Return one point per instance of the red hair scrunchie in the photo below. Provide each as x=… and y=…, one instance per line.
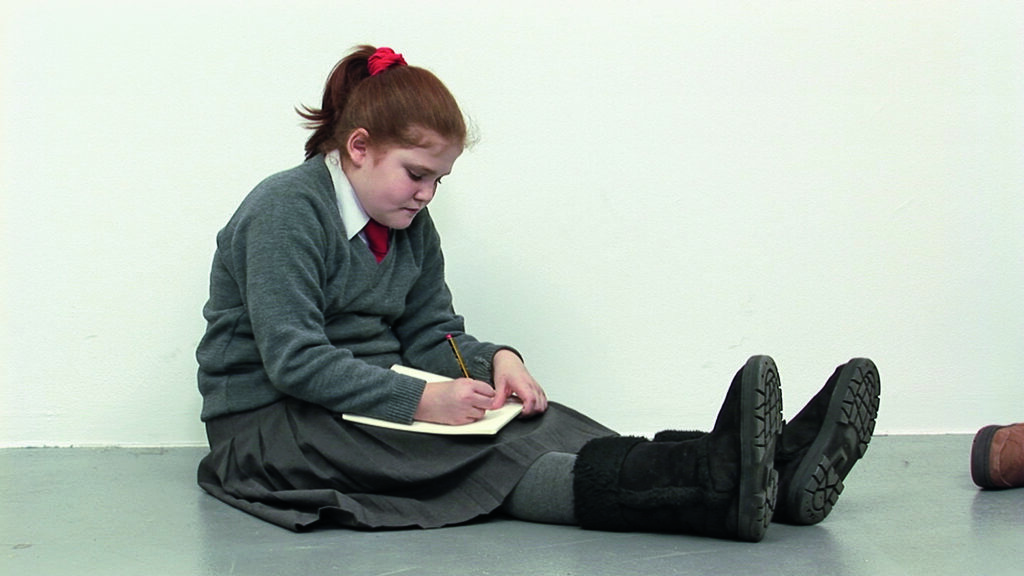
x=383, y=59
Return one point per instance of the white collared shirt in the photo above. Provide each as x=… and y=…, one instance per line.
x=352, y=214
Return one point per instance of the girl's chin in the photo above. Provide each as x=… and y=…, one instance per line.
x=403, y=219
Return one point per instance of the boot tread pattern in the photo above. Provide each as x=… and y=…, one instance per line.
x=767, y=415
x=860, y=406
x=859, y=412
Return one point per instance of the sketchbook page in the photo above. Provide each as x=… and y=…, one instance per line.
x=490, y=424
x=421, y=374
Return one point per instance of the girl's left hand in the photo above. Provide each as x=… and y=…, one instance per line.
x=512, y=377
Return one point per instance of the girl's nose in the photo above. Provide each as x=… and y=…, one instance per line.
x=426, y=193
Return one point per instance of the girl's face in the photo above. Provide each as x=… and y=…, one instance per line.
x=393, y=183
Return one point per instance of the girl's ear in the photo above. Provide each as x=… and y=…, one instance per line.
x=358, y=146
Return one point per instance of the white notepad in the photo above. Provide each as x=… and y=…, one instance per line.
x=490, y=424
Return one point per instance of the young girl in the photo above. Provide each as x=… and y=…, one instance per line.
x=331, y=272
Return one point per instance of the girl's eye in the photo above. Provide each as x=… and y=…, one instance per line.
x=414, y=177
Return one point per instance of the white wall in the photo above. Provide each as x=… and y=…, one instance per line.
x=661, y=189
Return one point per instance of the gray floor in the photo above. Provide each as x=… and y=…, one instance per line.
x=909, y=508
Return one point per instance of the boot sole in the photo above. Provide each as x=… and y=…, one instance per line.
x=842, y=440
x=760, y=427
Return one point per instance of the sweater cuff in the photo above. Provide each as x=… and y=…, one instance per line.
x=405, y=397
x=482, y=366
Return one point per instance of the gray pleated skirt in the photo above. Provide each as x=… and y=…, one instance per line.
x=300, y=466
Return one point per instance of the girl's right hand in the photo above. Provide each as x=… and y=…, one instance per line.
x=454, y=402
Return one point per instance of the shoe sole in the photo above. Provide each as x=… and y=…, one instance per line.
x=842, y=440
x=981, y=451
x=760, y=427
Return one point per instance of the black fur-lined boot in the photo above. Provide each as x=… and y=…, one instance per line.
x=722, y=484
x=821, y=444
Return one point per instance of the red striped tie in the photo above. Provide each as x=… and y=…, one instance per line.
x=377, y=239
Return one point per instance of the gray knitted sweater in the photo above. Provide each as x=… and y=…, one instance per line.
x=296, y=309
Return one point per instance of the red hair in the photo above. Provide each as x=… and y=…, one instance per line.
x=392, y=106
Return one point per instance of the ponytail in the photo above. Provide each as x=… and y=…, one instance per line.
x=345, y=75
x=391, y=104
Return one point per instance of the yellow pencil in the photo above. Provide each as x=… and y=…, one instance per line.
x=458, y=356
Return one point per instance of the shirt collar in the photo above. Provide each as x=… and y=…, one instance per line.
x=352, y=214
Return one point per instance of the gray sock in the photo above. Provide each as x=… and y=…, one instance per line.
x=545, y=493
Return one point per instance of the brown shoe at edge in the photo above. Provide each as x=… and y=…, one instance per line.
x=997, y=457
